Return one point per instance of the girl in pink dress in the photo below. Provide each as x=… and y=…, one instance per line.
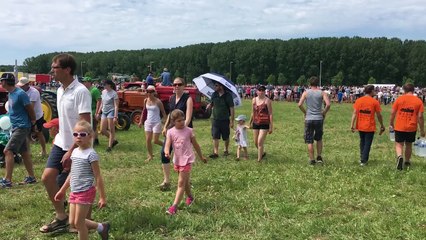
x=183, y=139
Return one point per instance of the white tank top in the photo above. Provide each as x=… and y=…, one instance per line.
x=153, y=115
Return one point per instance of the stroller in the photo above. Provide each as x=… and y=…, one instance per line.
x=5, y=131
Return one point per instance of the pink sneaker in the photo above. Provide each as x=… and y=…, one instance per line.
x=172, y=210
x=189, y=201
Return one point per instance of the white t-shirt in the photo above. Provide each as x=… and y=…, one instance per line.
x=72, y=101
x=34, y=96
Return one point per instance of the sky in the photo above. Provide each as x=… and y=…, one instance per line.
x=29, y=28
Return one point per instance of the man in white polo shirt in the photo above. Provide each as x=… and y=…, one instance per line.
x=74, y=104
x=35, y=100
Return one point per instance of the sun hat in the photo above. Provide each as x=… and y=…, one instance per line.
x=241, y=117
x=150, y=88
x=52, y=123
x=23, y=81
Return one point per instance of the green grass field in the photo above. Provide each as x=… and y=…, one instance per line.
x=282, y=198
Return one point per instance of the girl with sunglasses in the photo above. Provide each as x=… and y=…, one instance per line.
x=85, y=172
x=152, y=124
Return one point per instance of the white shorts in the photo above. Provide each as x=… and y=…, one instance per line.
x=153, y=127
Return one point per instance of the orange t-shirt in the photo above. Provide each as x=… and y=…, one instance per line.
x=407, y=108
x=365, y=108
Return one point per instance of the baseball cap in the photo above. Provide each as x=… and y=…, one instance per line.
x=7, y=77
x=87, y=79
x=22, y=81
x=52, y=123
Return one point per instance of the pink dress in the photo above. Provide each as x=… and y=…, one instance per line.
x=182, y=146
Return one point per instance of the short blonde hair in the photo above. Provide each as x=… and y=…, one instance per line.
x=85, y=125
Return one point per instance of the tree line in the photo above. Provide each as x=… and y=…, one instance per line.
x=341, y=61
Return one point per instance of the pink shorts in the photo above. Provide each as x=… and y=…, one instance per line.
x=186, y=168
x=85, y=197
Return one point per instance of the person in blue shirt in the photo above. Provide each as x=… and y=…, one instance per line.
x=150, y=79
x=166, y=78
x=23, y=119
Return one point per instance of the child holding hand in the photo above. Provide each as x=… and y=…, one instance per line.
x=182, y=139
x=84, y=172
x=240, y=136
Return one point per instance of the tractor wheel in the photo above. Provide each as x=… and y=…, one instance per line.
x=135, y=117
x=48, y=104
x=123, y=122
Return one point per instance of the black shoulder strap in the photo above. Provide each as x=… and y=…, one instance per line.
x=172, y=102
x=185, y=97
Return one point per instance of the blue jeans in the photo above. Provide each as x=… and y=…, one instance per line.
x=366, y=139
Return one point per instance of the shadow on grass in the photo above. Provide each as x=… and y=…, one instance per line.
x=138, y=220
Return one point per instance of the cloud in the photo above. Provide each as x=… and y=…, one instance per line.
x=32, y=27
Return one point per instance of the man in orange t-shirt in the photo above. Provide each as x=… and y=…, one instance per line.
x=408, y=110
x=364, y=110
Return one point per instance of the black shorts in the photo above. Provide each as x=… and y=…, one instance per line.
x=405, y=137
x=39, y=123
x=313, y=130
x=220, y=128
x=260, y=126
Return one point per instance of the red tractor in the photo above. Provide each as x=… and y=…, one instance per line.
x=133, y=96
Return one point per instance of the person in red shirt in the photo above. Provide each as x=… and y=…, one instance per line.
x=408, y=112
x=364, y=110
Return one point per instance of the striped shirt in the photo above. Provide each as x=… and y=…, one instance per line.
x=82, y=177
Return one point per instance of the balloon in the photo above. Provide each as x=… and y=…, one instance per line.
x=5, y=123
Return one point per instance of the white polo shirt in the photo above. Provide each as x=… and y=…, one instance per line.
x=72, y=101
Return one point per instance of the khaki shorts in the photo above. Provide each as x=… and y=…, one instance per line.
x=18, y=142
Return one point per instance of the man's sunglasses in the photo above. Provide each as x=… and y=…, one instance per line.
x=177, y=84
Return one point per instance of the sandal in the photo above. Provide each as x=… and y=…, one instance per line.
x=55, y=225
x=165, y=187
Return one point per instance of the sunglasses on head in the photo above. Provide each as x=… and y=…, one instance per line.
x=80, y=134
x=177, y=84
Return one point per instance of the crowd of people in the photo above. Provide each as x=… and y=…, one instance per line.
x=338, y=94
x=73, y=162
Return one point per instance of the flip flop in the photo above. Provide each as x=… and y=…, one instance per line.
x=55, y=225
